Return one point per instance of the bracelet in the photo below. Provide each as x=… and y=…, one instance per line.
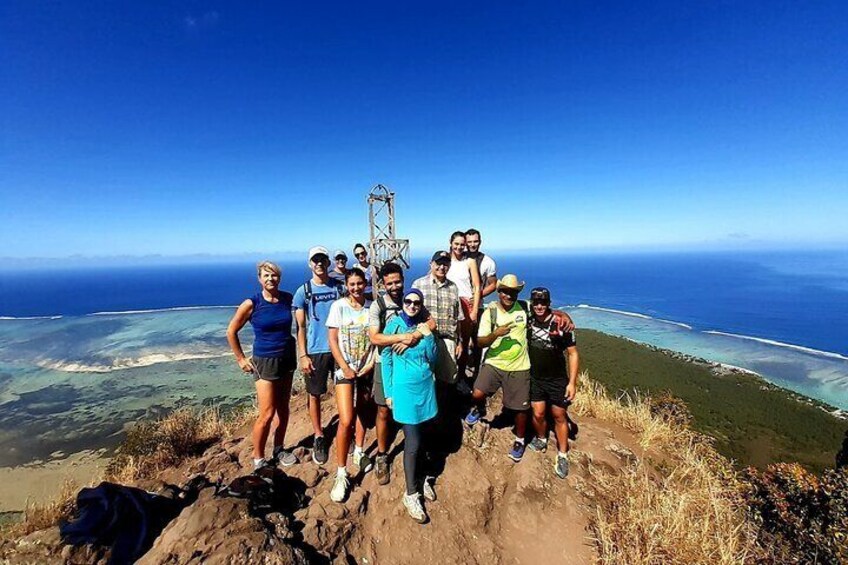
x=303, y=355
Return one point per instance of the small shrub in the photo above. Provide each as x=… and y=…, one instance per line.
x=670, y=409
x=38, y=516
x=842, y=456
x=152, y=446
x=803, y=518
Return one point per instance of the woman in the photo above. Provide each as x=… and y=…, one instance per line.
x=273, y=363
x=354, y=355
x=409, y=386
x=465, y=274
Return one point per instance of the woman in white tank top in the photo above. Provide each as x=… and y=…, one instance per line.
x=465, y=275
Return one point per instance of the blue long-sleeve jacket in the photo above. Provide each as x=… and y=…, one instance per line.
x=408, y=377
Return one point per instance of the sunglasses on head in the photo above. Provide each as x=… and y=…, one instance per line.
x=410, y=302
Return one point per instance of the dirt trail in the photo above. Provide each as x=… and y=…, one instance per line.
x=489, y=509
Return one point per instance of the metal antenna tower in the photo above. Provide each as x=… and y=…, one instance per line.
x=384, y=245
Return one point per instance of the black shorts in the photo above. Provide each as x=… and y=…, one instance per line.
x=551, y=391
x=323, y=366
x=273, y=368
x=364, y=384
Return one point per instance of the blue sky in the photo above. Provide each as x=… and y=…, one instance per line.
x=134, y=128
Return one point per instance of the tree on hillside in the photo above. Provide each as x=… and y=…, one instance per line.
x=842, y=456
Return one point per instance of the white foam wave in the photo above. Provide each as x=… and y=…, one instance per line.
x=30, y=317
x=127, y=363
x=632, y=315
x=801, y=348
x=614, y=311
x=158, y=310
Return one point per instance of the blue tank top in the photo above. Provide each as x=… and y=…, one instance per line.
x=272, y=325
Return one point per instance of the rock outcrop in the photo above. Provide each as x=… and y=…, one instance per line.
x=489, y=509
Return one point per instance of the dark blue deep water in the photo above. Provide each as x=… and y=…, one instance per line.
x=794, y=297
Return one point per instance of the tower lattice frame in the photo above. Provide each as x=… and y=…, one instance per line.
x=384, y=246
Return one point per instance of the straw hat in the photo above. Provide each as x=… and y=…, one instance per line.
x=510, y=282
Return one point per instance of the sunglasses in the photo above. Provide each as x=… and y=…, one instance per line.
x=512, y=293
x=361, y=254
x=409, y=302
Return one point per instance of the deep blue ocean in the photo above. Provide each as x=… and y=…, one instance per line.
x=84, y=351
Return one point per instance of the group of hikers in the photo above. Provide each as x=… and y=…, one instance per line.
x=402, y=355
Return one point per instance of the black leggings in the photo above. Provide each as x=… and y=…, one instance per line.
x=413, y=465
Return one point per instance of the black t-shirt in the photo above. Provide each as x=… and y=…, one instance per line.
x=547, y=345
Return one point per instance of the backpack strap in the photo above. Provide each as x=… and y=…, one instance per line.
x=382, y=308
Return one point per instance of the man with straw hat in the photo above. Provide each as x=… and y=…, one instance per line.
x=506, y=364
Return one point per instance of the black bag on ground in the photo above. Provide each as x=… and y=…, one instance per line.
x=124, y=518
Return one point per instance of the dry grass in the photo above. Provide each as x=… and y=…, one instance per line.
x=153, y=446
x=686, y=510
x=38, y=516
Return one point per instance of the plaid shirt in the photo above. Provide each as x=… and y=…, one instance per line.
x=442, y=300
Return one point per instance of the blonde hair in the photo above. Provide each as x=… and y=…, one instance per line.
x=269, y=265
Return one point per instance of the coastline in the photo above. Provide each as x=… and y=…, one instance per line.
x=725, y=369
x=41, y=481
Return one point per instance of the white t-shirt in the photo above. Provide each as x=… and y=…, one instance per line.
x=487, y=269
x=460, y=275
x=353, y=331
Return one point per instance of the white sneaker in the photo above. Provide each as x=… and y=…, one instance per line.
x=412, y=502
x=428, y=490
x=340, y=486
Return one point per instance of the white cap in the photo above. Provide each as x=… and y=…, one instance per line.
x=317, y=250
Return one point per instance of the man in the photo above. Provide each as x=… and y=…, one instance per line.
x=383, y=309
x=366, y=267
x=485, y=264
x=441, y=298
x=506, y=364
x=552, y=381
x=488, y=281
x=312, y=302
x=340, y=270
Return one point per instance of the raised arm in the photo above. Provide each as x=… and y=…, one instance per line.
x=475, y=288
x=238, y=321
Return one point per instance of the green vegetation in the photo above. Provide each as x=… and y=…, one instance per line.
x=753, y=423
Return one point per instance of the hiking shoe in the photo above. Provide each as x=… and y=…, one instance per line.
x=413, y=505
x=428, y=490
x=382, y=472
x=363, y=462
x=561, y=467
x=539, y=445
x=261, y=464
x=473, y=416
x=340, y=487
x=284, y=457
x=517, y=451
x=319, y=450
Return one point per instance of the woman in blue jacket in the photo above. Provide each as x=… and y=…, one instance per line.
x=409, y=385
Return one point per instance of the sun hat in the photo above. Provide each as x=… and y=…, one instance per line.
x=317, y=250
x=510, y=282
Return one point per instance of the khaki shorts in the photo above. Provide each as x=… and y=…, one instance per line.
x=515, y=385
x=446, y=359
